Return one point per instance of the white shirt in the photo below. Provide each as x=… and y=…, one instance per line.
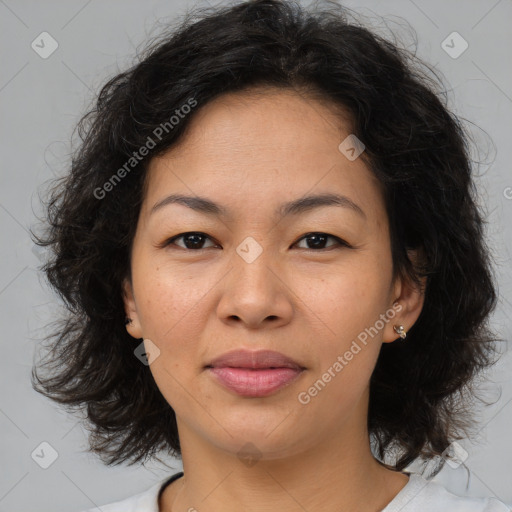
x=418, y=495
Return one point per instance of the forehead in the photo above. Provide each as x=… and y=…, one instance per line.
x=260, y=147
x=264, y=118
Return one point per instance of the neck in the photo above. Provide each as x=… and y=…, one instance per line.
x=336, y=475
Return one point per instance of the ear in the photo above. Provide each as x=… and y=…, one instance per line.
x=134, y=327
x=407, y=303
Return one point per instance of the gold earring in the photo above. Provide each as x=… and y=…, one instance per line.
x=399, y=329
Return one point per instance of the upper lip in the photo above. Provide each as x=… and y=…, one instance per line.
x=254, y=359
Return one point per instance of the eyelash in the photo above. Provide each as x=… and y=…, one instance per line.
x=340, y=242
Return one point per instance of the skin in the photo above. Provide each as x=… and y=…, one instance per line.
x=250, y=152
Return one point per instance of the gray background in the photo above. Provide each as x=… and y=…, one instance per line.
x=42, y=99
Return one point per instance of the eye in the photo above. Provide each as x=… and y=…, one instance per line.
x=195, y=241
x=318, y=241
x=192, y=240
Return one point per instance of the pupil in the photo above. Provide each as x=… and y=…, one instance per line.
x=317, y=240
x=197, y=239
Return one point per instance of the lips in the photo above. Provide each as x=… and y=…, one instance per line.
x=261, y=359
x=254, y=374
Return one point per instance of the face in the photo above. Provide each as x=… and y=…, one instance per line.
x=306, y=282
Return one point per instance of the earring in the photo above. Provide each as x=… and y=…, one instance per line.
x=128, y=321
x=399, y=329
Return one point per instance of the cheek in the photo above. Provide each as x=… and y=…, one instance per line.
x=348, y=297
x=345, y=351
x=170, y=301
x=171, y=308
x=349, y=302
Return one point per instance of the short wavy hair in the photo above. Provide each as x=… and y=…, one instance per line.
x=416, y=147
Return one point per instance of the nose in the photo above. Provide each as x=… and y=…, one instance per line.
x=256, y=294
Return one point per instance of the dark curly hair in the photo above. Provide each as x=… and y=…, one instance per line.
x=417, y=148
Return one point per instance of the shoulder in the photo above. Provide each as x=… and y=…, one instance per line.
x=421, y=495
x=146, y=501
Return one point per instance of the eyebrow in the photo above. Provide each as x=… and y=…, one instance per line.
x=301, y=205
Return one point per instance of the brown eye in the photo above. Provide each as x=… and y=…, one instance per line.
x=317, y=241
x=191, y=240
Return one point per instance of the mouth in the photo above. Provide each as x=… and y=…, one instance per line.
x=254, y=383
x=255, y=360
x=254, y=374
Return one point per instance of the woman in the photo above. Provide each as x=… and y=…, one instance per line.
x=275, y=269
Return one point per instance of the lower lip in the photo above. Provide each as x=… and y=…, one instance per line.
x=255, y=383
